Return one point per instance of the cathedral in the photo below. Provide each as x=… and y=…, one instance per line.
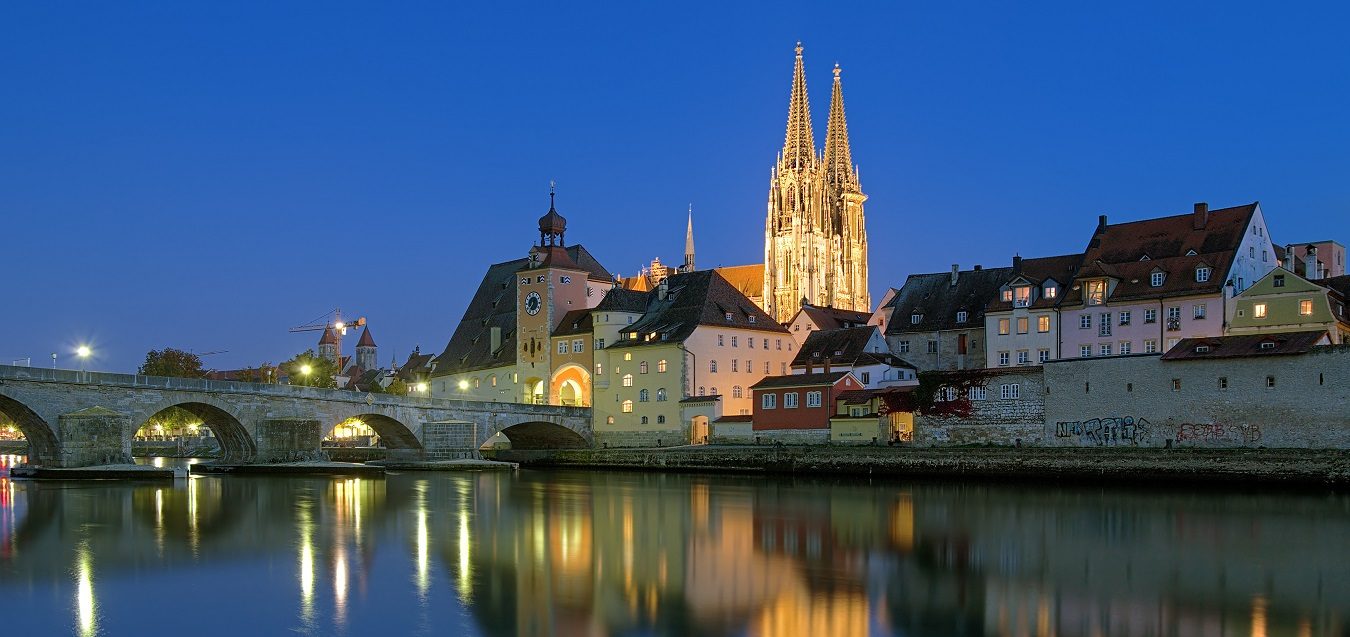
x=815, y=240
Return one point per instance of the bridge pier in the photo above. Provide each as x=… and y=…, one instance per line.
x=289, y=440
x=93, y=436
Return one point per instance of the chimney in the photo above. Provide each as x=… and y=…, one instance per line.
x=495, y=334
x=827, y=364
x=1017, y=264
x=663, y=288
x=1101, y=221
x=956, y=273
x=1200, y=216
x=1310, y=270
x=1289, y=258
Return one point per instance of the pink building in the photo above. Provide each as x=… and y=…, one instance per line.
x=1145, y=285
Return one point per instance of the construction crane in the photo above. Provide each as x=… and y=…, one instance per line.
x=331, y=321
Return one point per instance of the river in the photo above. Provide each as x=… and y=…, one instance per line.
x=598, y=554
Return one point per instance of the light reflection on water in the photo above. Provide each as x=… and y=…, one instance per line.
x=570, y=553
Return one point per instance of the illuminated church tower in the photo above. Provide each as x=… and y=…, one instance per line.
x=815, y=240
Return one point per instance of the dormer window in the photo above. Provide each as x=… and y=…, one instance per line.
x=1190, y=253
x=1022, y=296
x=1200, y=349
x=1007, y=295
x=1096, y=292
x=915, y=318
x=962, y=316
x=1268, y=345
x=728, y=316
x=752, y=318
x=1156, y=279
x=1050, y=292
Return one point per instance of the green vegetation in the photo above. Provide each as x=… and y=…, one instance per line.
x=322, y=372
x=398, y=388
x=172, y=362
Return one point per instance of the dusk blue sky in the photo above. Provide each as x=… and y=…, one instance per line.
x=207, y=175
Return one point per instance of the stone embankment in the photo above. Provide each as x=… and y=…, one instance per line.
x=1163, y=467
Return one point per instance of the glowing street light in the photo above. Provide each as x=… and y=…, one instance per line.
x=422, y=388
x=306, y=369
x=463, y=385
x=83, y=352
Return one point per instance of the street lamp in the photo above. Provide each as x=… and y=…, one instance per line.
x=83, y=352
x=305, y=371
x=421, y=388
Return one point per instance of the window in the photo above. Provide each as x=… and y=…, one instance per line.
x=1176, y=384
x=1202, y=274
x=778, y=344
x=766, y=368
x=493, y=380
x=721, y=340
x=736, y=391
x=1022, y=324
x=1003, y=327
x=1042, y=324
x=628, y=356
x=735, y=365
x=962, y=316
x=1023, y=357
x=562, y=347
x=728, y=316
x=599, y=343
x=1251, y=252
x=643, y=396
x=1125, y=317
x=1223, y=383
x=1006, y=295
x=915, y=318
x=1096, y=292
x=712, y=391
x=1043, y=355
x=627, y=380
x=1104, y=327
x=712, y=367
x=766, y=343
x=1084, y=351
x=1150, y=316
x=1279, y=280
x=932, y=347
x=661, y=395
x=1171, y=342
x=1174, y=313
x=1010, y=391
x=1305, y=307
x=702, y=391
x=609, y=420
x=599, y=369
x=1199, y=311
x=661, y=366
x=769, y=401
x=1125, y=348
x=477, y=383
x=642, y=367
x=627, y=406
x=790, y=400
x=1022, y=296
x=975, y=393
x=813, y=399
x=1051, y=292
x=577, y=346
x=660, y=419
x=1105, y=349
x=1150, y=346
x=750, y=342
x=1259, y=311
x=1002, y=359
x=904, y=347
x=1085, y=322
x=1270, y=382
x=734, y=341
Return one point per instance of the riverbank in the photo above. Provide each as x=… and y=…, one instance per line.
x=1164, y=467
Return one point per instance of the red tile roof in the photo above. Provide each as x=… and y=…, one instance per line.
x=1246, y=345
x=366, y=340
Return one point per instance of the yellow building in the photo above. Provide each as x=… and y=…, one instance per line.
x=1283, y=301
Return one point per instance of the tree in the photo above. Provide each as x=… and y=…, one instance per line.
x=322, y=371
x=172, y=362
x=398, y=388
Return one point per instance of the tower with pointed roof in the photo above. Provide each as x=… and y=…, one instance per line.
x=328, y=345
x=689, y=243
x=366, y=351
x=815, y=242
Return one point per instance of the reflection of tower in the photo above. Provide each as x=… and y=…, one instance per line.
x=328, y=345
x=366, y=351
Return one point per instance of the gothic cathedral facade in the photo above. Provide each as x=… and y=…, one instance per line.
x=815, y=239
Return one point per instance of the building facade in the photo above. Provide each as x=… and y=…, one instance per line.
x=936, y=321
x=1022, y=323
x=796, y=409
x=1286, y=302
x=815, y=237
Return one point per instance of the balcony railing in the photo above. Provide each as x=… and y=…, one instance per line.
x=1173, y=325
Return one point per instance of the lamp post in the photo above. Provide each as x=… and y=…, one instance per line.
x=305, y=371
x=83, y=352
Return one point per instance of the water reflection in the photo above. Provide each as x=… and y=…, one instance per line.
x=610, y=554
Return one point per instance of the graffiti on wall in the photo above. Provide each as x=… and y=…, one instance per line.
x=1107, y=432
x=1216, y=432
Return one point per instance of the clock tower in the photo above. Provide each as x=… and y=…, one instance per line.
x=550, y=285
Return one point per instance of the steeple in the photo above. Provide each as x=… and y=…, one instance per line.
x=799, y=145
x=689, y=242
x=839, y=171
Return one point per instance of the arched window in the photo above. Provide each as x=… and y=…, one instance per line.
x=609, y=420
x=642, y=396
x=627, y=406
x=642, y=367
x=712, y=391
x=493, y=378
x=661, y=395
x=661, y=366
x=736, y=391
x=712, y=367
x=627, y=380
x=476, y=382
x=644, y=420
x=702, y=392
x=660, y=420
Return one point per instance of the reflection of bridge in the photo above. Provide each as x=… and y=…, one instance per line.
x=84, y=418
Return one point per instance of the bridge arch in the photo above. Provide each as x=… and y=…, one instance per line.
x=540, y=434
x=393, y=433
x=236, y=444
x=43, y=447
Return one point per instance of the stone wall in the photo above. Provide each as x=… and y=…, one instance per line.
x=449, y=440
x=289, y=440
x=93, y=436
x=1147, y=402
x=731, y=433
x=620, y=439
x=948, y=348
x=792, y=436
x=994, y=420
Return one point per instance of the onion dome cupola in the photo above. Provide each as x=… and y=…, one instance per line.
x=552, y=225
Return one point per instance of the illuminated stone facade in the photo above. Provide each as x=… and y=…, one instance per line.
x=815, y=240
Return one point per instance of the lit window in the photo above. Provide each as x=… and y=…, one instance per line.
x=1096, y=292
x=627, y=380
x=1023, y=324
x=1022, y=296
x=1003, y=327
x=1156, y=279
x=661, y=366
x=769, y=401
x=1259, y=311
x=1305, y=307
x=1051, y=292
x=628, y=356
x=627, y=406
x=609, y=420
x=599, y=369
x=1007, y=296
x=1042, y=324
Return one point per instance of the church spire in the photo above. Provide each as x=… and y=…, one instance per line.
x=799, y=145
x=689, y=242
x=838, y=159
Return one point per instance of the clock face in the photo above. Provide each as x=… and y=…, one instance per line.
x=533, y=303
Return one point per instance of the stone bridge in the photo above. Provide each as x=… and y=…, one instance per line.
x=76, y=418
